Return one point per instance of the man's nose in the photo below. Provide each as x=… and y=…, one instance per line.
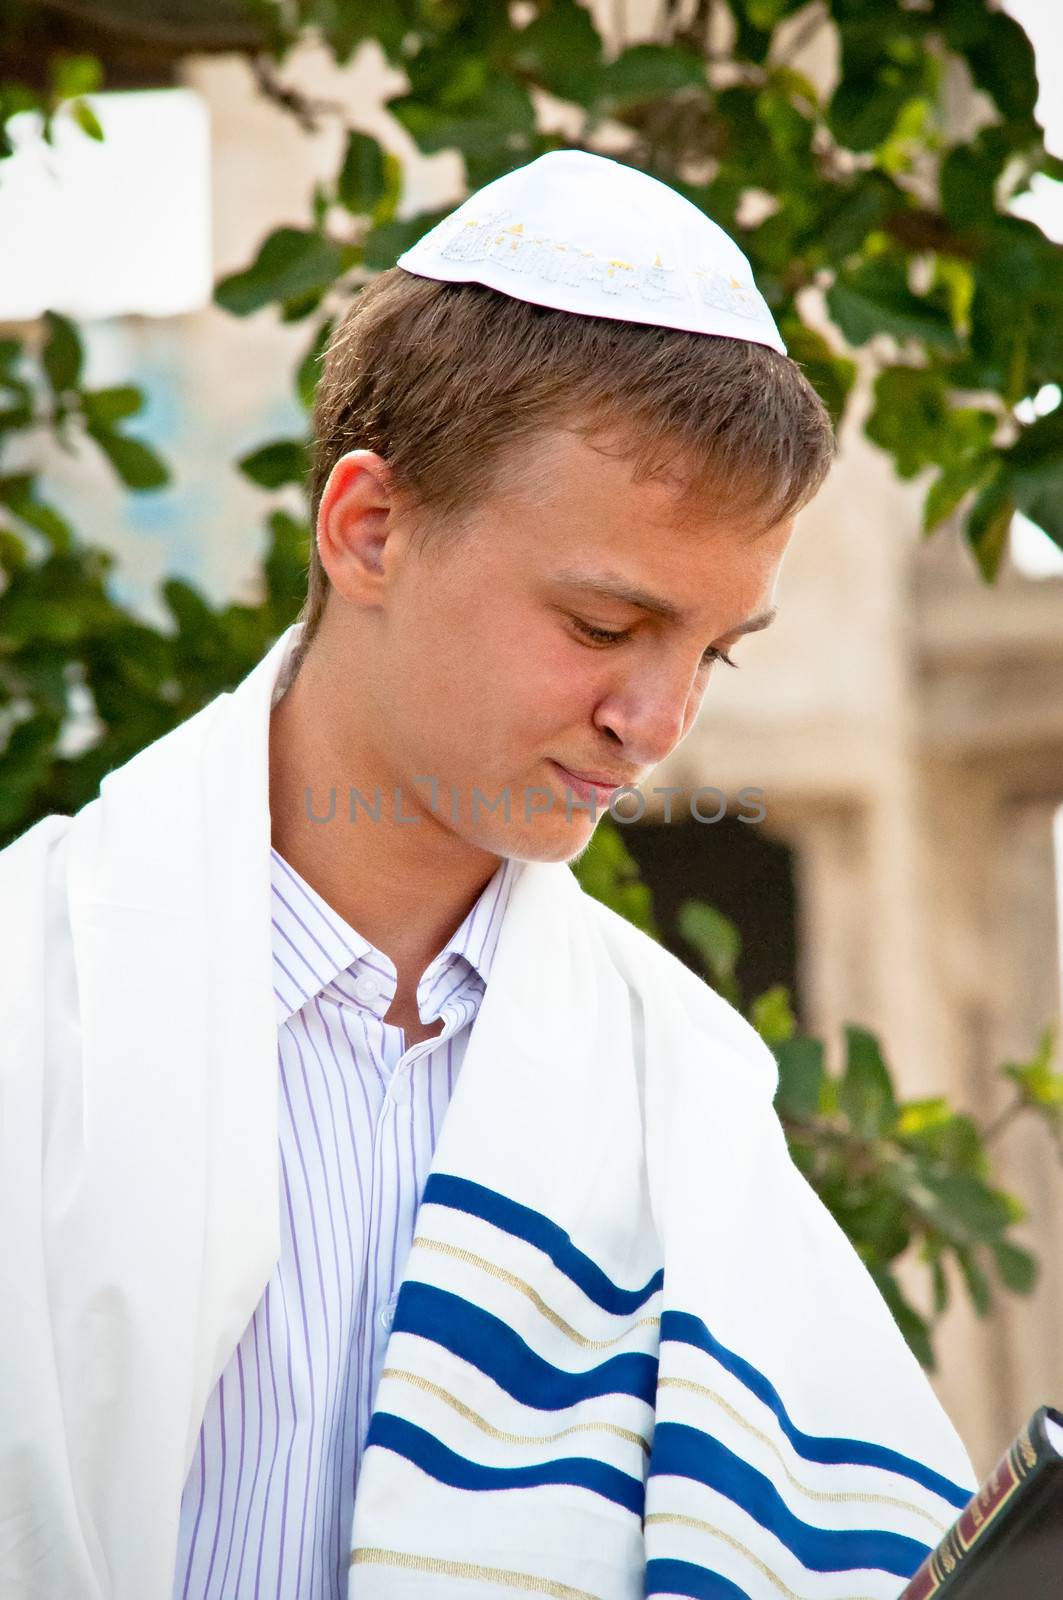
x=650, y=715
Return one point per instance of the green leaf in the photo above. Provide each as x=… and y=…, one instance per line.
x=195, y=619
x=939, y=1285
x=965, y=1208
x=976, y=1281
x=752, y=43
x=866, y=104
x=967, y=181
x=1040, y=1084
x=18, y=494
x=865, y=1093
x=954, y=280
x=830, y=374
x=62, y=353
x=714, y=937
x=73, y=75
x=10, y=356
x=386, y=243
x=309, y=369
x=772, y=1015
x=848, y=213
x=286, y=563
x=24, y=767
x=492, y=128
x=766, y=14
x=607, y=870
x=13, y=555
x=1002, y=63
x=388, y=203
x=274, y=465
x=988, y=525
x=1017, y=1267
x=561, y=50
x=912, y=419
x=789, y=129
x=135, y=462
x=362, y=181
x=86, y=119
x=874, y=298
x=957, y=481
x=1034, y=470
x=801, y=1074
x=300, y=306
x=916, y=1116
x=107, y=406
x=343, y=27
x=290, y=263
x=915, y=1328
x=646, y=72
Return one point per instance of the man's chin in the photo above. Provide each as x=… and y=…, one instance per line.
x=546, y=839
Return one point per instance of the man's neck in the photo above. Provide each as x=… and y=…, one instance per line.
x=404, y=886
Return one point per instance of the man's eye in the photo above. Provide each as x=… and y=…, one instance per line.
x=600, y=635
x=604, y=636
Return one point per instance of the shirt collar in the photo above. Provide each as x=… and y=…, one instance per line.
x=313, y=945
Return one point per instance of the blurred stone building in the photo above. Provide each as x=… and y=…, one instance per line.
x=903, y=723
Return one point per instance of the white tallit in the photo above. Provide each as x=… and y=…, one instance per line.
x=631, y=1354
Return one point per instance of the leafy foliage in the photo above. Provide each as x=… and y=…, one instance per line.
x=905, y=1180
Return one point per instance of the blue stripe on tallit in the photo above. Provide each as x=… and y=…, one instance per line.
x=491, y=1345
x=665, y=1576
x=680, y=1451
x=459, y=1194
x=682, y=1328
x=426, y=1451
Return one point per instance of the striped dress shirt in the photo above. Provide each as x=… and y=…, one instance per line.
x=268, y=1504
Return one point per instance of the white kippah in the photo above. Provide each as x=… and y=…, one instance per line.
x=581, y=233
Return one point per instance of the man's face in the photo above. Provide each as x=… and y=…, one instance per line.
x=490, y=679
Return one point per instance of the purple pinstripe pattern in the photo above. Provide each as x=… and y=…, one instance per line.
x=267, y=1507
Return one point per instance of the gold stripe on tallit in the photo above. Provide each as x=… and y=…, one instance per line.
x=813, y=1494
x=428, y=1387
x=528, y=1581
x=718, y=1533
x=490, y=1267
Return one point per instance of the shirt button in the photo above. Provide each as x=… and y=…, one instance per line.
x=387, y=1314
x=366, y=987
x=400, y=1089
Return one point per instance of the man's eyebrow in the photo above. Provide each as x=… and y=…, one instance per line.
x=755, y=624
x=615, y=587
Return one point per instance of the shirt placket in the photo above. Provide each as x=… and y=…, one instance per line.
x=382, y=1244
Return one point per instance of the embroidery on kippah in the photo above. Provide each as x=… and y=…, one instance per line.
x=496, y=238
x=725, y=293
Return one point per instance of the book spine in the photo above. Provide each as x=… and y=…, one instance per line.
x=935, y=1576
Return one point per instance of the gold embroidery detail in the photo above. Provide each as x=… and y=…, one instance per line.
x=526, y=1289
x=474, y=1417
x=718, y=1533
x=527, y=1581
x=813, y=1494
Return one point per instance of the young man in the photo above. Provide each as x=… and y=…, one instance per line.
x=313, y=974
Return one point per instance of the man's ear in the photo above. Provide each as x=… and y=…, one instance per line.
x=355, y=518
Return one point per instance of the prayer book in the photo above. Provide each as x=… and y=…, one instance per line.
x=1008, y=1541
